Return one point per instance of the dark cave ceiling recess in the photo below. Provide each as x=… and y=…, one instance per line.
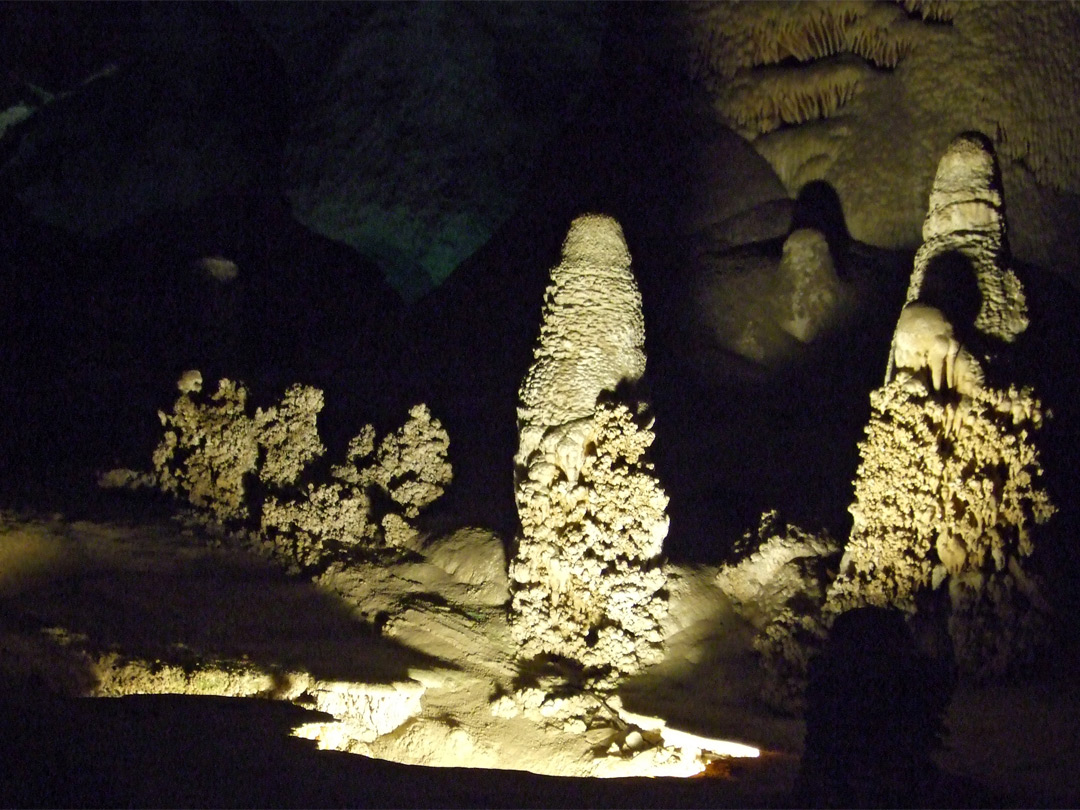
x=411, y=132
x=406, y=131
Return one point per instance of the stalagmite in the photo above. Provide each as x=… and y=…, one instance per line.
x=586, y=578
x=948, y=490
x=966, y=217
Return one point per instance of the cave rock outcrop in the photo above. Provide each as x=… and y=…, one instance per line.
x=765, y=308
x=415, y=141
x=814, y=87
x=966, y=217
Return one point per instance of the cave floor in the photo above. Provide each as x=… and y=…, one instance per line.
x=146, y=665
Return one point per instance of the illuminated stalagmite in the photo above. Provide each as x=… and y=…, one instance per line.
x=586, y=579
x=966, y=217
x=947, y=495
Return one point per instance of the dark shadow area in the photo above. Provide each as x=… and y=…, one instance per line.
x=730, y=448
x=874, y=714
x=101, y=331
x=818, y=206
x=1044, y=357
x=951, y=286
x=191, y=610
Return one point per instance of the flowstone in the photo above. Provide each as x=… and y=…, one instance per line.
x=586, y=579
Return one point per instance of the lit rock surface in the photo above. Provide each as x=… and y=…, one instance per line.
x=476, y=558
x=782, y=566
x=924, y=339
x=212, y=447
x=586, y=576
x=948, y=492
x=863, y=94
x=780, y=589
x=764, y=310
x=948, y=495
x=809, y=295
x=966, y=216
x=591, y=340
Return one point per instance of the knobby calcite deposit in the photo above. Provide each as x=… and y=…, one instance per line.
x=966, y=217
x=591, y=339
x=947, y=501
x=948, y=493
x=238, y=470
x=586, y=579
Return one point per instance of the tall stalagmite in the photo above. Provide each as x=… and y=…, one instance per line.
x=966, y=220
x=587, y=581
x=947, y=495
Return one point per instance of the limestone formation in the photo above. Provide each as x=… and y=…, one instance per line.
x=783, y=563
x=814, y=86
x=966, y=216
x=288, y=436
x=948, y=495
x=211, y=448
x=591, y=340
x=208, y=449
x=476, y=558
x=810, y=297
x=410, y=467
x=780, y=589
x=964, y=235
x=586, y=578
x=238, y=470
x=924, y=340
x=765, y=310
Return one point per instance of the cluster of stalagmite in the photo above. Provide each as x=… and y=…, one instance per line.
x=211, y=446
x=586, y=577
x=236, y=470
x=948, y=495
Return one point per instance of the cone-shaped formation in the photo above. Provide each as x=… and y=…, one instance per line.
x=948, y=492
x=810, y=297
x=591, y=339
x=966, y=216
x=587, y=580
x=948, y=496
